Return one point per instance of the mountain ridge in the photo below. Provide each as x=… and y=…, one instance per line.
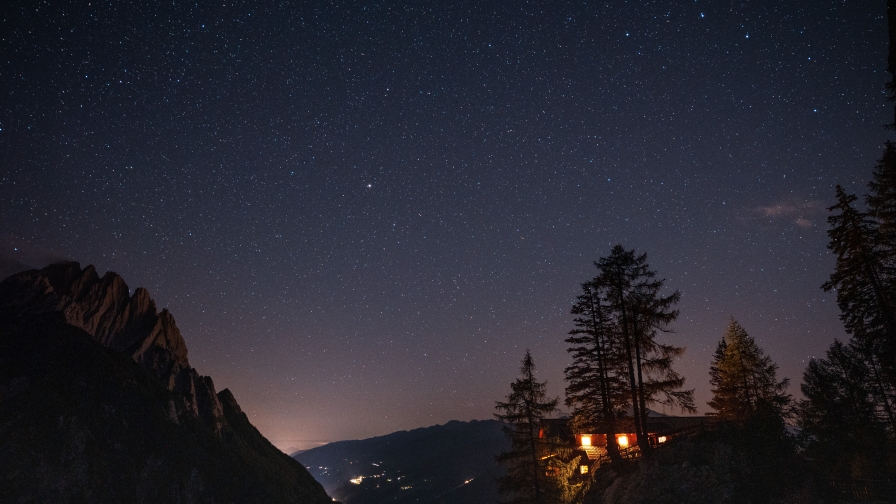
x=131, y=324
x=98, y=403
x=449, y=463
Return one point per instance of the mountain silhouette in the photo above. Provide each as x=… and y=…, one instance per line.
x=450, y=463
x=98, y=403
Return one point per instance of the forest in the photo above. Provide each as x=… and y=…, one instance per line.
x=757, y=444
x=837, y=442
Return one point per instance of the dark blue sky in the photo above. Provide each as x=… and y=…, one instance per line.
x=362, y=213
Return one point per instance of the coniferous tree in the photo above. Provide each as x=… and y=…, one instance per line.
x=656, y=377
x=528, y=479
x=881, y=202
x=863, y=279
x=838, y=394
x=595, y=388
x=883, y=391
x=638, y=312
x=842, y=425
x=848, y=414
x=744, y=379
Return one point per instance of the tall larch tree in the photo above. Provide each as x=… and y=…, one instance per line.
x=639, y=313
x=843, y=427
x=862, y=280
x=744, y=380
x=595, y=388
x=848, y=417
x=881, y=201
x=526, y=480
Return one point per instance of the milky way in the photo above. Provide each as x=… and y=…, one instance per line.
x=362, y=214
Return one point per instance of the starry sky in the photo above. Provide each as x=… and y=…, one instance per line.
x=361, y=214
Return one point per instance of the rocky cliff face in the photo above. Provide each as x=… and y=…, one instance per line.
x=130, y=324
x=98, y=403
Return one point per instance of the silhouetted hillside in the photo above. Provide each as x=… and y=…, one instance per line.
x=98, y=403
x=451, y=463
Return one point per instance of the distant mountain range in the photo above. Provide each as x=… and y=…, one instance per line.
x=450, y=463
x=98, y=403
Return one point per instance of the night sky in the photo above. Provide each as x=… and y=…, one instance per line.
x=362, y=213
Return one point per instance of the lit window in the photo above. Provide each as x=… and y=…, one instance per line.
x=661, y=439
x=586, y=440
x=583, y=469
x=623, y=441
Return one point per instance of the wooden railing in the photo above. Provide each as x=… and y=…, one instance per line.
x=683, y=432
x=630, y=452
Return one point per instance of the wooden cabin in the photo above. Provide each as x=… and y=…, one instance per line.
x=592, y=446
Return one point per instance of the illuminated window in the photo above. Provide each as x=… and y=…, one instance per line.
x=586, y=440
x=661, y=439
x=583, y=469
x=623, y=441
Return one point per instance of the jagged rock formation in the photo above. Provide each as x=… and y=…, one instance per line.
x=98, y=403
x=130, y=324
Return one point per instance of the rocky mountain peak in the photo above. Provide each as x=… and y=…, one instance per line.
x=127, y=323
x=98, y=403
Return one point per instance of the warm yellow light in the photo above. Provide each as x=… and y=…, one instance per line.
x=583, y=469
x=586, y=440
x=623, y=441
x=661, y=439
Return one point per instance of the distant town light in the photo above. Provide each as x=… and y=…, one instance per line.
x=586, y=441
x=623, y=441
x=358, y=480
